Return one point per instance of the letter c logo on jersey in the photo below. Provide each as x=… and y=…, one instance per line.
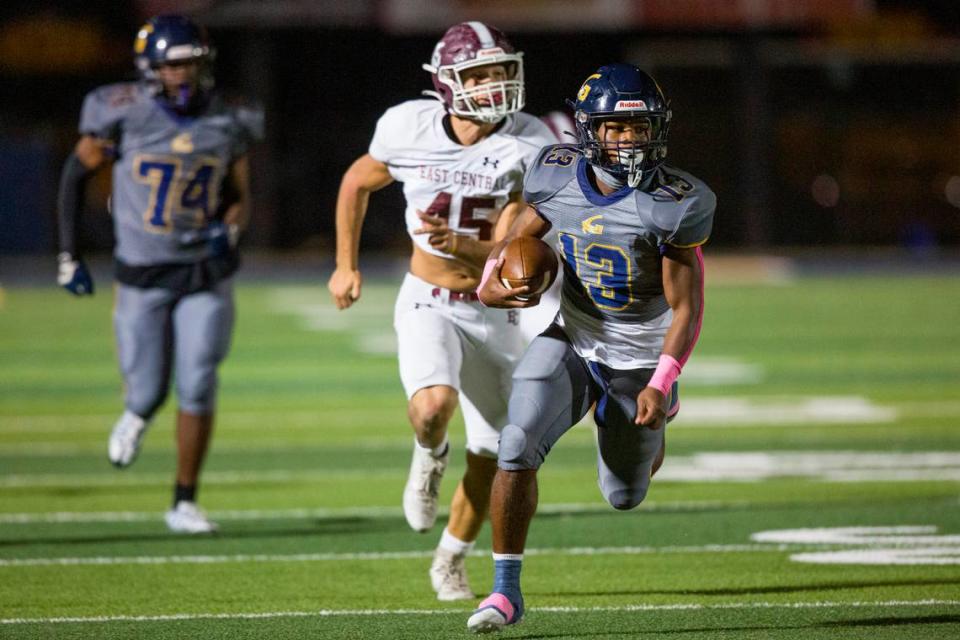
x=183, y=143
x=590, y=225
x=585, y=89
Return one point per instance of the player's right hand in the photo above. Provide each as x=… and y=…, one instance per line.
x=651, y=408
x=73, y=275
x=344, y=286
x=494, y=294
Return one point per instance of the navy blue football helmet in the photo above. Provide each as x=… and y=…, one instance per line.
x=622, y=92
x=172, y=39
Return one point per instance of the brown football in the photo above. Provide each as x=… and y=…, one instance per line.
x=528, y=261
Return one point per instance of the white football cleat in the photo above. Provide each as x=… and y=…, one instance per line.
x=422, y=493
x=125, y=439
x=187, y=517
x=448, y=576
x=493, y=614
x=486, y=621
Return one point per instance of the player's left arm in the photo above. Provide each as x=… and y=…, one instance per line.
x=683, y=289
x=223, y=233
x=466, y=248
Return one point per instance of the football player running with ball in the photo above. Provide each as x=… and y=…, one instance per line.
x=180, y=199
x=461, y=158
x=629, y=228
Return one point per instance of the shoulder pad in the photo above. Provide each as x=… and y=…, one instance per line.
x=410, y=112
x=105, y=107
x=555, y=166
x=683, y=208
x=402, y=127
x=250, y=119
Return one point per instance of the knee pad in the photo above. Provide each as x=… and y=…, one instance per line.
x=626, y=499
x=197, y=394
x=514, y=454
x=145, y=402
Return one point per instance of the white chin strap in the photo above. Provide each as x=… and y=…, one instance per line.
x=632, y=161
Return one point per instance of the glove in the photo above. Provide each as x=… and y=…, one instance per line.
x=221, y=238
x=73, y=275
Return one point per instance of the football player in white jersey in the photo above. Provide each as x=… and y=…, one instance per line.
x=629, y=228
x=461, y=156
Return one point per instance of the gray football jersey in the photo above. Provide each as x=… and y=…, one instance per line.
x=611, y=244
x=169, y=169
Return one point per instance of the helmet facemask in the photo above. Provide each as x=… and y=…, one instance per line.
x=488, y=101
x=631, y=160
x=184, y=94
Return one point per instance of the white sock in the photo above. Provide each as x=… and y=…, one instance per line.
x=437, y=451
x=453, y=544
x=508, y=556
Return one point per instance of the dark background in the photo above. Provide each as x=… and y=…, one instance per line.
x=823, y=133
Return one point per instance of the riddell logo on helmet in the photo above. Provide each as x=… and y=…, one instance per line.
x=495, y=51
x=629, y=105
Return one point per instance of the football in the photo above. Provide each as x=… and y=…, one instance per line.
x=528, y=261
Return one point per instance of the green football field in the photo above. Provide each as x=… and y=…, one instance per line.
x=811, y=487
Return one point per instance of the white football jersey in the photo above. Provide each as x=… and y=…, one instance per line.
x=468, y=185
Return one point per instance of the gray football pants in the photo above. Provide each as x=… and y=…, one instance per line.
x=160, y=331
x=553, y=389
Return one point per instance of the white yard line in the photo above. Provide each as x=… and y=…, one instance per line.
x=69, y=517
x=324, y=613
x=740, y=466
x=299, y=420
x=27, y=480
x=898, y=545
x=381, y=555
x=702, y=411
x=696, y=410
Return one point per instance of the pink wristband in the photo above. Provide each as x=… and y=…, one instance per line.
x=487, y=270
x=665, y=375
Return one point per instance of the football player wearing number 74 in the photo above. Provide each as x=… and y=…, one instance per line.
x=629, y=229
x=180, y=198
x=461, y=157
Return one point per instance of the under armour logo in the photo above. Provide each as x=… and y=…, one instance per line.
x=513, y=317
x=488, y=161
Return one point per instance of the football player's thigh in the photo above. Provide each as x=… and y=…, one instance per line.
x=428, y=348
x=490, y=356
x=144, y=333
x=552, y=391
x=626, y=451
x=203, y=323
